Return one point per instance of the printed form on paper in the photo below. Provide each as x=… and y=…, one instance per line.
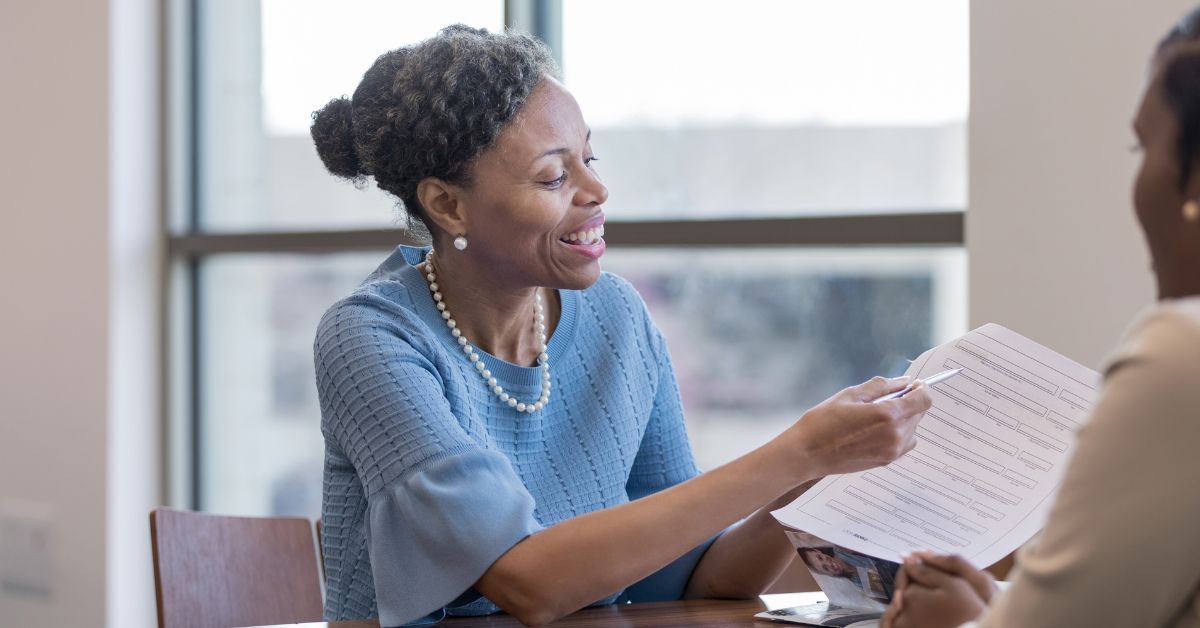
x=989, y=458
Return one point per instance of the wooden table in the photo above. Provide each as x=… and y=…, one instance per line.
x=682, y=613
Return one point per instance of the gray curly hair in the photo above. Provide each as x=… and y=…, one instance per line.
x=428, y=110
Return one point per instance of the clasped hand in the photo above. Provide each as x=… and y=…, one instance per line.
x=937, y=590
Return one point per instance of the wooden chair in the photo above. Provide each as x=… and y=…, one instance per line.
x=321, y=545
x=212, y=571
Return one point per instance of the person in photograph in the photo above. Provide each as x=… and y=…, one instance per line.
x=1120, y=545
x=859, y=569
x=502, y=423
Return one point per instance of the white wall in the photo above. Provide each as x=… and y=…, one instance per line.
x=1054, y=249
x=135, y=260
x=78, y=263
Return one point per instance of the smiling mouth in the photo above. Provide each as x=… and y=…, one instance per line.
x=588, y=236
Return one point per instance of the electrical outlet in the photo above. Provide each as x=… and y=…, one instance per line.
x=26, y=543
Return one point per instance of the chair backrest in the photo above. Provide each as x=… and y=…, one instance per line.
x=321, y=545
x=212, y=571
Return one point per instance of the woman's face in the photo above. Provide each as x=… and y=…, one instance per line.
x=1157, y=192
x=533, y=207
x=825, y=564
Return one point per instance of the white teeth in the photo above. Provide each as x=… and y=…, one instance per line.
x=585, y=237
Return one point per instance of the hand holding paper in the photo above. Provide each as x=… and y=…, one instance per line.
x=848, y=432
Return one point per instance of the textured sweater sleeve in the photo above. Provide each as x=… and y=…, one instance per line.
x=441, y=508
x=664, y=460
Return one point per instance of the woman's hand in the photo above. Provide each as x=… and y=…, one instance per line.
x=848, y=433
x=935, y=590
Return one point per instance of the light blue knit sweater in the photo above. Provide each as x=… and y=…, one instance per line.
x=429, y=478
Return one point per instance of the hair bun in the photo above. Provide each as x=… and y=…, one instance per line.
x=333, y=133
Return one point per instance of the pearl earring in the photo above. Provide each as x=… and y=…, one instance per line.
x=460, y=243
x=1191, y=211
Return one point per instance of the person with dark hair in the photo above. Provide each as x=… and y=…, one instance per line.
x=1120, y=546
x=503, y=428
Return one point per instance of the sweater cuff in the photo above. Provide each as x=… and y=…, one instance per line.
x=433, y=533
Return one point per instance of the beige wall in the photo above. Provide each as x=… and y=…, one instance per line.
x=1054, y=250
x=53, y=266
x=78, y=263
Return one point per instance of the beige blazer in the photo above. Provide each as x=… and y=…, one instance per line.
x=1122, y=543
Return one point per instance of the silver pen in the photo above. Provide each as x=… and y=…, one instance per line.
x=929, y=381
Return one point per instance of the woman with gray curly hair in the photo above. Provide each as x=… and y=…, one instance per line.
x=503, y=428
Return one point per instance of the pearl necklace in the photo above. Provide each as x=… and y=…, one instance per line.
x=539, y=322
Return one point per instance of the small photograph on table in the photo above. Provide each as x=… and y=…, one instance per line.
x=849, y=579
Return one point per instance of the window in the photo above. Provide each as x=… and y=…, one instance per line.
x=260, y=444
x=787, y=188
x=773, y=108
x=759, y=335
x=264, y=67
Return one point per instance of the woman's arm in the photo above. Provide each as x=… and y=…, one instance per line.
x=1119, y=546
x=542, y=577
x=1124, y=519
x=747, y=558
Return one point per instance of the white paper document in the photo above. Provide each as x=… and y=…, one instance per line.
x=989, y=458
